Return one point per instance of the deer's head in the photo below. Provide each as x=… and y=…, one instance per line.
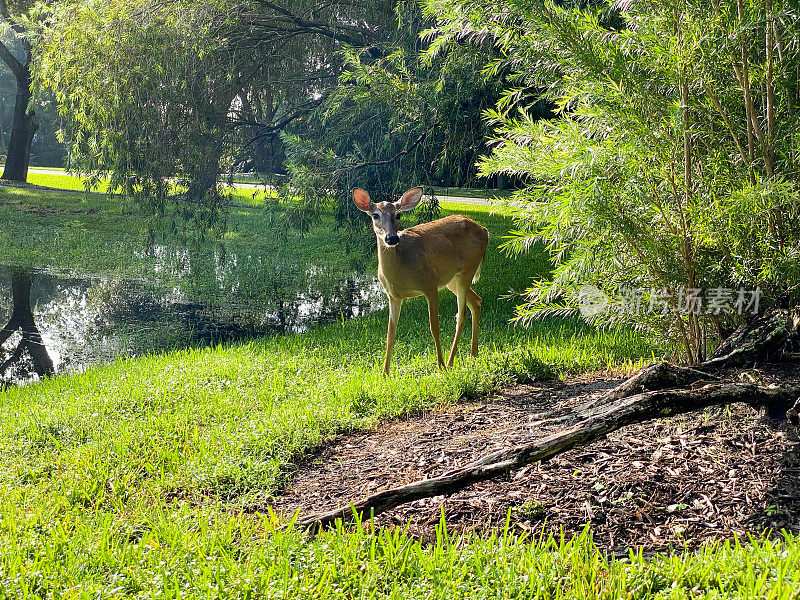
x=386, y=215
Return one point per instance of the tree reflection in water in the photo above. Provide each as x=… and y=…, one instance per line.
x=26, y=355
x=62, y=324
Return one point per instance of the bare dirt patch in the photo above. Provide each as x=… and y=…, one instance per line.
x=43, y=211
x=671, y=482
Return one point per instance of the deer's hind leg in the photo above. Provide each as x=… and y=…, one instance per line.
x=474, y=302
x=460, y=288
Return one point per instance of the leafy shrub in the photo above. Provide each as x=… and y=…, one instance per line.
x=668, y=185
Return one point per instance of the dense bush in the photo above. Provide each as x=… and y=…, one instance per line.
x=669, y=182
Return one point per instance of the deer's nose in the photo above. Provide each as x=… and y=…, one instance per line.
x=392, y=240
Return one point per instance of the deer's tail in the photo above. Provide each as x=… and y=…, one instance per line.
x=477, y=275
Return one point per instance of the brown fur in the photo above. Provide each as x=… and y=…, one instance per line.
x=430, y=255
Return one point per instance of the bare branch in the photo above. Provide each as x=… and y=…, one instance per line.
x=394, y=158
x=336, y=31
x=726, y=118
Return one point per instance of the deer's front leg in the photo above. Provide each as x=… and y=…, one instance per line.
x=394, y=314
x=433, y=317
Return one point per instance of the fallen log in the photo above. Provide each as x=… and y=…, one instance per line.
x=771, y=337
x=609, y=417
x=658, y=376
x=774, y=336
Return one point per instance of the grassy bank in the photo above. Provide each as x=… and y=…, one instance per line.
x=96, y=235
x=226, y=422
x=149, y=477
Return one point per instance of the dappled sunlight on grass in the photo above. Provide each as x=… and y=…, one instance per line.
x=64, y=182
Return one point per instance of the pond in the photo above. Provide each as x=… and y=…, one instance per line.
x=54, y=323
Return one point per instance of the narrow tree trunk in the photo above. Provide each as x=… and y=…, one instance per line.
x=203, y=183
x=25, y=125
x=769, y=156
x=204, y=173
x=743, y=78
x=695, y=349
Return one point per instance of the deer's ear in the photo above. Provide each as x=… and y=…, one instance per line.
x=409, y=200
x=362, y=199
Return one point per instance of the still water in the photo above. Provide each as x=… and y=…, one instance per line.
x=54, y=324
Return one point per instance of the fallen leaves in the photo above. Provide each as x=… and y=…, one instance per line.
x=684, y=480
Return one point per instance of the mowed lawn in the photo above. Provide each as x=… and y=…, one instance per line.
x=151, y=477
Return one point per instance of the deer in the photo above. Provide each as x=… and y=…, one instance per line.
x=421, y=260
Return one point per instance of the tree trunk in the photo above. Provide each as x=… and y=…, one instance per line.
x=25, y=122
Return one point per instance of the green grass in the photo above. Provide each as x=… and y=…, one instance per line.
x=200, y=553
x=139, y=478
x=246, y=196
x=469, y=192
x=65, y=181
x=94, y=234
x=59, y=181
x=68, y=182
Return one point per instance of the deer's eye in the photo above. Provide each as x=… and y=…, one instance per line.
x=375, y=216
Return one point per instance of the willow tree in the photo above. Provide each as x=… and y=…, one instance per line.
x=667, y=187
x=155, y=92
x=293, y=65
x=397, y=118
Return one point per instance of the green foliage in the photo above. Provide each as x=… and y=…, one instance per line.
x=158, y=92
x=144, y=94
x=95, y=235
x=395, y=119
x=673, y=165
x=336, y=96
